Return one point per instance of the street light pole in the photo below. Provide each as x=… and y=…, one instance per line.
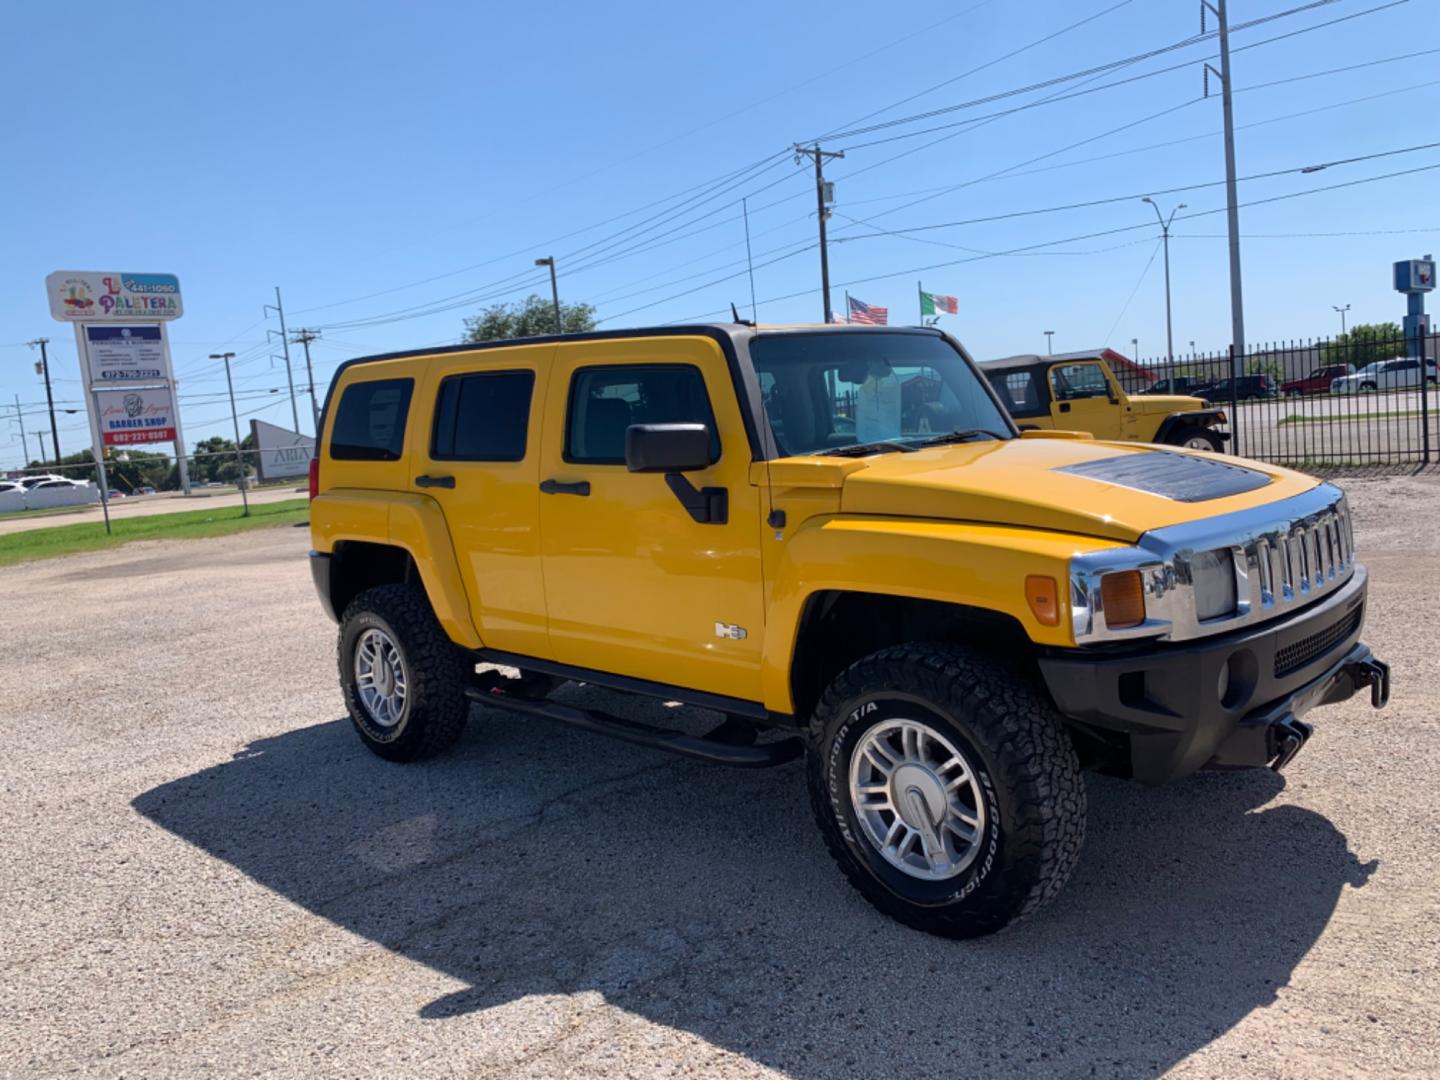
x=235, y=418
x=1049, y=340
x=1342, y=311
x=554, y=291
x=1165, y=238
x=1135, y=348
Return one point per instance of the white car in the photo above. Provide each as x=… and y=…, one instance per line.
x=1401, y=373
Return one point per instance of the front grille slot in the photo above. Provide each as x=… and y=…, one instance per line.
x=1302, y=560
x=1296, y=655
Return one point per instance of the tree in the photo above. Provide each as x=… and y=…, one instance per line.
x=534, y=318
x=1266, y=367
x=1364, y=344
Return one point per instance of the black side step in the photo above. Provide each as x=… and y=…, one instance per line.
x=762, y=756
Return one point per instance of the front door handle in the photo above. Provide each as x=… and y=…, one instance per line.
x=557, y=487
x=435, y=481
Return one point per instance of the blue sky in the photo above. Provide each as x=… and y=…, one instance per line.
x=377, y=162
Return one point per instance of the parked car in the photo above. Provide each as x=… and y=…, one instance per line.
x=943, y=615
x=58, y=482
x=1401, y=373
x=1317, y=382
x=29, y=482
x=1180, y=384
x=1080, y=393
x=1247, y=388
x=145, y=490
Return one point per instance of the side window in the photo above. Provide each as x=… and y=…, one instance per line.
x=370, y=421
x=1021, y=392
x=482, y=416
x=1075, y=381
x=604, y=401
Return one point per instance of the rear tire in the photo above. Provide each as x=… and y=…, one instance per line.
x=402, y=677
x=1197, y=438
x=980, y=771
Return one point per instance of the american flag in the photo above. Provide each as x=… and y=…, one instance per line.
x=868, y=314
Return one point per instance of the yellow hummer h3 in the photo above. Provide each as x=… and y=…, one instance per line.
x=837, y=540
x=1079, y=392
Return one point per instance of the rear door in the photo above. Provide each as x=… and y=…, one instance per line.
x=477, y=454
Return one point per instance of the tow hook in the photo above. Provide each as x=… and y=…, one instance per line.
x=1290, y=737
x=1375, y=674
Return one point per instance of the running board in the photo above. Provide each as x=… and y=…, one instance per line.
x=761, y=756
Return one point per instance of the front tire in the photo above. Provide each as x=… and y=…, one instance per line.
x=402, y=677
x=1197, y=438
x=946, y=789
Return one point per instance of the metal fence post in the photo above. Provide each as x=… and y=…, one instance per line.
x=1235, y=424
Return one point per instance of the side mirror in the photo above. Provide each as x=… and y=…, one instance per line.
x=667, y=448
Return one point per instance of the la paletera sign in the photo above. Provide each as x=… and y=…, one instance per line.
x=104, y=296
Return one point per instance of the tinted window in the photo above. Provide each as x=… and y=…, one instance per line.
x=482, y=417
x=604, y=401
x=370, y=422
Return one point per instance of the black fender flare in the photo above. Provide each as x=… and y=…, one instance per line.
x=1203, y=418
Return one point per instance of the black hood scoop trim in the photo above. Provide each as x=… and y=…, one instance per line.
x=1171, y=475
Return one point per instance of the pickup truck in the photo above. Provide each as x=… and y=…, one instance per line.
x=836, y=541
x=1317, y=382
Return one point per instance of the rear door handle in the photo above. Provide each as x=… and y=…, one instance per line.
x=435, y=481
x=556, y=487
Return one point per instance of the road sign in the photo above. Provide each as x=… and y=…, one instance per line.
x=112, y=296
x=126, y=354
x=143, y=415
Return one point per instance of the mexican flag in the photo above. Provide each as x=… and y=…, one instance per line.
x=935, y=304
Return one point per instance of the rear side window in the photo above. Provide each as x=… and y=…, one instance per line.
x=482, y=417
x=370, y=422
x=604, y=401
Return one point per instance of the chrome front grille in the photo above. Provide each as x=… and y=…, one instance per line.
x=1301, y=559
x=1286, y=554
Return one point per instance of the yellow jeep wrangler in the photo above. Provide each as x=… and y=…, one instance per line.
x=836, y=539
x=1079, y=392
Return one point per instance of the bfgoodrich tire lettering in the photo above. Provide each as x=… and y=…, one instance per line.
x=435, y=708
x=1025, y=770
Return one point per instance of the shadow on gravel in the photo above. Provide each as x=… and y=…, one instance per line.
x=536, y=860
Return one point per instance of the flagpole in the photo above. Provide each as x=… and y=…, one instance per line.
x=847, y=305
x=920, y=288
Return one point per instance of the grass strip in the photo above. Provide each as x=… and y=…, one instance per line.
x=187, y=525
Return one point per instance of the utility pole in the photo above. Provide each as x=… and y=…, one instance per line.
x=821, y=211
x=235, y=418
x=1342, y=311
x=49, y=397
x=304, y=337
x=554, y=291
x=1049, y=342
x=24, y=443
x=1165, y=235
x=279, y=308
x=1232, y=207
x=1135, y=349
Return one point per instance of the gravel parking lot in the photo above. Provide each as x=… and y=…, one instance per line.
x=204, y=871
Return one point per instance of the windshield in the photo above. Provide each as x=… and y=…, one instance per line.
x=828, y=391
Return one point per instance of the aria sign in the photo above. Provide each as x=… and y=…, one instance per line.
x=101, y=296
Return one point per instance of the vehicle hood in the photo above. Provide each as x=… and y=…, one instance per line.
x=1167, y=403
x=1042, y=483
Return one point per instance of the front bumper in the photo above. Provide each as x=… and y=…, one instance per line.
x=1228, y=701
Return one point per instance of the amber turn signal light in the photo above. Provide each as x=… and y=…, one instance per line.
x=1042, y=594
x=1122, y=597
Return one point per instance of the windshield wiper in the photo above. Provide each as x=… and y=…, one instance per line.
x=880, y=446
x=959, y=436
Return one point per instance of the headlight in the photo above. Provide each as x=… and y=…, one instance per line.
x=1212, y=576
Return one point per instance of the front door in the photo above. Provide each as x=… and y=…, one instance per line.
x=633, y=584
x=1083, y=399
